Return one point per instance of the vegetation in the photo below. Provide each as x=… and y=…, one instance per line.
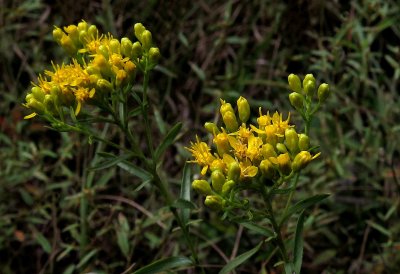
x=66, y=206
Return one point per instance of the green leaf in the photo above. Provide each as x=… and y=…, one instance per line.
x=183, y=204
x=44, y=243
x=303, y=204
x=240, y=259
x=164, y=264
x=86, y=258
x=259, y=229
x=122, y=230
x=298, y=244
x=111, y=162
x=380, y=228
x=168, y=140
x=185, y=192
x=283, y=191
x=199, y=72
x=135, y=170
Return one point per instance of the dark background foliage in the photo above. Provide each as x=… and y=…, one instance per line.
x=211, y=49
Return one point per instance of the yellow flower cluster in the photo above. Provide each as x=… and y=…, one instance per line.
x=100, y=64
x=271, y=149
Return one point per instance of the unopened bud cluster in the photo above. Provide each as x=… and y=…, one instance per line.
x=241, y=152
x=304, y=92
x=100, y=64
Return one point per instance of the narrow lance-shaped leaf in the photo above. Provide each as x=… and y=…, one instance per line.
x=185, y=192
x=303, y=204
x=240, y=259
x=135, y=170
x=164, y=265
x=298, y=244
x=168, y=140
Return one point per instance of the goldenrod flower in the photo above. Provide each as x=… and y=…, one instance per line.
x=202, y=155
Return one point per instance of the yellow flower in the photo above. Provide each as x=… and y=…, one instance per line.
x=201, y=153
x=81, y=95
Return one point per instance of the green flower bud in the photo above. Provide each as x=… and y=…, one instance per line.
x=83, y=37
x=294, y=83
x=126, y=46
x=225, y=107
x=230, y=121
x=115, y=46
x=58, y=34
x=136, y=50
x=138, y=30
x=213, y=202
x=281, y=148
x=202, y=187
x=301, y=160
x=104, y=51
x=211, y=128
x=323, y=92
x=48, y=102
x=93, y=32
x=82, y=26
x=291, y=140
x=68, y=45
x=268, y=150
x=267, y=169
x=146, y=39
x=296, y=100
x=309, y=88
x=234, y=171
x=217, y=180
x=243, y=109
x=38, y=93
x=104, y=85
x=284, y=163
x=227, y=187
x=35, y=105
x=304, y=142
x=308, y=77
x=154, y=54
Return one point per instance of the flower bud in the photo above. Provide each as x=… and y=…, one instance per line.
x=139, y=29
x=296, y=100
x=38, y=93
x=211, y=128
x=308, y=77
x=243, y=109
x=120, y=77
x=83, y=37
x=217, y=180
x=309, y=88
x=93, y=32
x=228, y=186
x=82, y=26
x=304, y=142
x=267, y=150
x=234, y=171
x=35, y=105
x=103, y=50
x=214, y=202
x=73, y=33
x=284, y=163
x=230, y=121
x=68, y=45
x=126, y=46
x=136, y=50
x=222, y=143
x=146, y=39
x=154, y=54
x=291, y=140
x=281, y=148
x=202, y=187
x=267, y=169
x=323, y=92
x=225, y=107
x=105, y=85
x=115, y=46
x=301, y=160
x=58, y=34
x=294, y=83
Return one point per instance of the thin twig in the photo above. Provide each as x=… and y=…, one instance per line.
x=237, y=242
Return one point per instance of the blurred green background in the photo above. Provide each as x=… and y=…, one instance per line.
x=211, y=49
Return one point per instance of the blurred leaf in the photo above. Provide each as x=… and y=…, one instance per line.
x=185, y=192
x=298, y=244
x=380, y=228
x=86, y=258
x=168, y=140
x=231, y=265
x=259, y=229
x=111, y=162
x=199, y=72
x=122, y=231
x=135, y=170
x=44, y=243
x=324, y=257
x=303, y=204
x=183, y=204
x=164, y=265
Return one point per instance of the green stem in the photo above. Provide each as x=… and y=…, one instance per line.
x=277, y=230
x=291, y=193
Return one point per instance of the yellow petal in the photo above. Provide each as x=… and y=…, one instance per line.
x=30, y=115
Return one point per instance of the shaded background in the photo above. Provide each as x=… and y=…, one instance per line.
x=211, y=49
